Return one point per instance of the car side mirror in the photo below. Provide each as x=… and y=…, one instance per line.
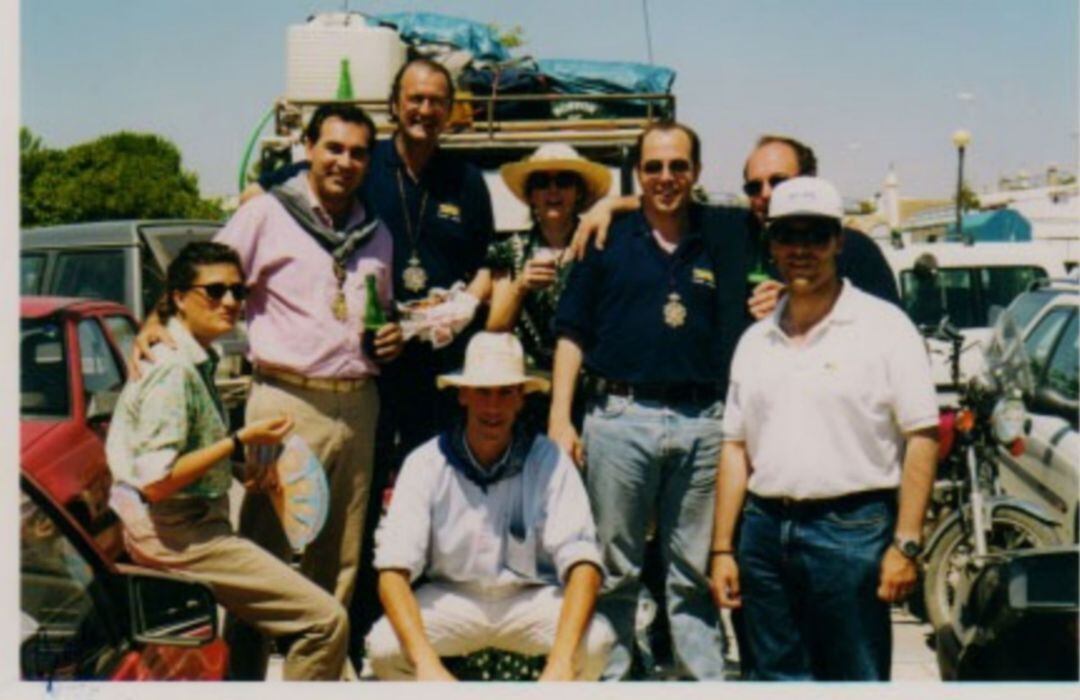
x=1048, y=400
x=170, y=610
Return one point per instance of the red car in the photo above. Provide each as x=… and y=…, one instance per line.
x=82, y=617
x=72, y=369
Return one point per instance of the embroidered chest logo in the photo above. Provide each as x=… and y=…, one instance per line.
x=704, y=276
x=449, y=210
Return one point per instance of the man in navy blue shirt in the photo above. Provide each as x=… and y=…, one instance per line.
x=650, y=319
x=438, y=210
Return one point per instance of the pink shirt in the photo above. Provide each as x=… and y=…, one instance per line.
x=289, y=317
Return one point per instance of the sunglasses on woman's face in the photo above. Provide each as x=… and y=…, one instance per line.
x=562, y=180
x=753, y=188
x=218, y=290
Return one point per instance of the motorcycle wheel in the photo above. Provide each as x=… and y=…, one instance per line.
x=1011, y=529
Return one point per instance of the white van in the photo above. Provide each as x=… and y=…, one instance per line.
x=971, y=285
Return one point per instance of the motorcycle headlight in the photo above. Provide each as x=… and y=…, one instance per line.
x=1008, y=420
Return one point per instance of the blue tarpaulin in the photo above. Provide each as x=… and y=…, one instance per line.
x=1001, y=225
x=429, y=27
x=574, y=77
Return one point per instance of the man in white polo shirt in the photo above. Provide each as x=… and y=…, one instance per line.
x=830, y=410
x=498, y=521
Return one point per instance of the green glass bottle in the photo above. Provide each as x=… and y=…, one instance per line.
x=374, y=316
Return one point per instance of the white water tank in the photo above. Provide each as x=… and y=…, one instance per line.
x=313, y=54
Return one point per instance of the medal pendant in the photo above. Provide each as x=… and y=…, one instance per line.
x=414, y=276
x=339, y=308
x=674, y=311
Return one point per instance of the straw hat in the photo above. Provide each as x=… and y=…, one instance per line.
x=493, y=359
x=555, y=157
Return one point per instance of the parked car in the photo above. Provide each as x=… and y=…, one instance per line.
x=124, y=262
x=1047, y=473
x=71, y=371
x=82, y=617
x=970, y=285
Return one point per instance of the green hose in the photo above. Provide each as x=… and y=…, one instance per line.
x=242, y=175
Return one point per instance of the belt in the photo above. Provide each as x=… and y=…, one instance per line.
x=340, y=386
x=684, y=392
x=795, y=508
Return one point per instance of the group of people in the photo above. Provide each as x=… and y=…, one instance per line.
x=783, y=466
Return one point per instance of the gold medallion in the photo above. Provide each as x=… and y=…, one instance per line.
x=414, y=276
x=339, y=308
x=674, y=311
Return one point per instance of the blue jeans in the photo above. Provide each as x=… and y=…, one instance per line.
x=809, y=584
x=644, y=457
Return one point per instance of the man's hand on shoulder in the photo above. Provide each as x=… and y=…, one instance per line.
x=595, y=224
x=764, y=298
x=152, y=333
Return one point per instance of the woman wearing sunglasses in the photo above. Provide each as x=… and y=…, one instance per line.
x=557, y=184
x=169, y=450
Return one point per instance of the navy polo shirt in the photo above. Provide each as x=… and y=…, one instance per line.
x=452, y=237
x=613, y=304
x=860, y=260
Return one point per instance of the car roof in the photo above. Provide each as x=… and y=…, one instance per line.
x=952, y=254
x=101, y=233
x=42, y=306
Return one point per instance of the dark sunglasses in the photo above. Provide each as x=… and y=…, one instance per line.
x=218, y=290
x=562, y=180
x=816, y=235
x=675, y=167
x=753, y=188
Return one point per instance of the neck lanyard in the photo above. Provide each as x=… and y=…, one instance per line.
x=415, y=276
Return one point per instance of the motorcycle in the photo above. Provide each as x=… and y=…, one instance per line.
x=996, y=584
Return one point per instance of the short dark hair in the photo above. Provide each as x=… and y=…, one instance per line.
x=804, y=155
x=669, y=125
x=395, y=88
x=184, y=270
x=345, y=112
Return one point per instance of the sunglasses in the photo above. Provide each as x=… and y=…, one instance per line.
x=815, y=235
x=218, y=290
x=562, y=180
x=753, y=188
x=675, y=167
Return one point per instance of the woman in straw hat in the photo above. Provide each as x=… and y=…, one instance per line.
x=557, y=184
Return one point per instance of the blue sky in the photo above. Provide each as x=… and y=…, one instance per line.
x=866, y=82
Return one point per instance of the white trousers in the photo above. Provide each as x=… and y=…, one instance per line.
x=460, y=620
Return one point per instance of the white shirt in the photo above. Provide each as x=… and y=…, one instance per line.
x=527, y=529
x=827, y=417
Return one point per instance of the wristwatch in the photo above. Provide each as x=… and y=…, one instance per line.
x=908, y=547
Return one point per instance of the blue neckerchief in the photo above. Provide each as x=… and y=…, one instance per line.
x=454, y=447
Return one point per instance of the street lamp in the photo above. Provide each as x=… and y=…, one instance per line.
x=960, y=138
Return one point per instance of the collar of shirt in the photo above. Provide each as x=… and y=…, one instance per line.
x=205, y=359
x=356, y=213
x=841, y=312
x=393, y=159
x=455, y=448
x=691, y=238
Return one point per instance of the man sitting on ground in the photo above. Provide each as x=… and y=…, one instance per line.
x=498, y=522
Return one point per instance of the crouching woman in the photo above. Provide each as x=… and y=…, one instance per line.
x=169, y=450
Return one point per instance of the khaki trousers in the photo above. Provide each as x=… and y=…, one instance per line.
x=194, y=537
x=340, y=429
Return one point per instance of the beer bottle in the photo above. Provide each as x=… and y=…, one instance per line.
x=374, y=316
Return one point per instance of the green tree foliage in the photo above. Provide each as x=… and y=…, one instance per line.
x=511, y=37
x=118, y=176
x=969, y=201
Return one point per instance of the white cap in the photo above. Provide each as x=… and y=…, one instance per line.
x=493, y=359
x=805, y=196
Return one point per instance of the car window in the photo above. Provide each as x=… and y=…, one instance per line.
x=102, y=378
x=1061, y=373
x=92, y=275
x=43, y=369
x=31, y=269
x=965, y=294
x=63, y=628
x=1025, y=306
x=153, y=280
x=123, y=331
x=1040, y=341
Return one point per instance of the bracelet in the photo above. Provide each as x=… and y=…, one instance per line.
x=718, y=552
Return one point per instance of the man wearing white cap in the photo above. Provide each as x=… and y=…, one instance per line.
x=498, y=522
x=830, y=410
